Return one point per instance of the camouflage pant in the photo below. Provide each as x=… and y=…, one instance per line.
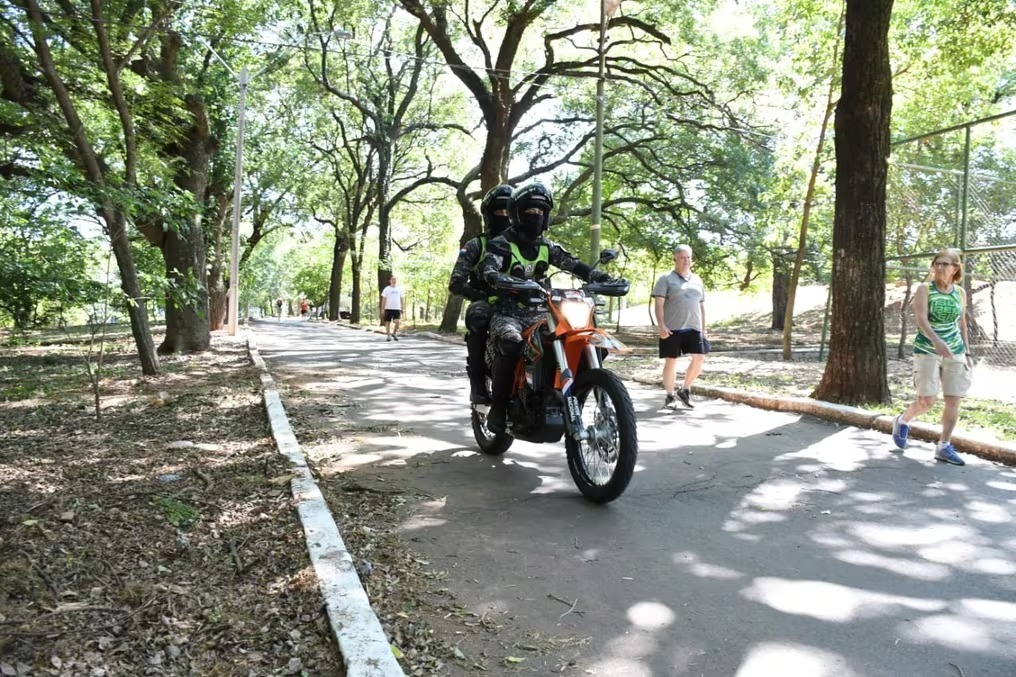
x=506, y=333
x=478, y=317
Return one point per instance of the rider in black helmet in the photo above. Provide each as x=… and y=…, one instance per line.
x=465, y=281
x=521, y=252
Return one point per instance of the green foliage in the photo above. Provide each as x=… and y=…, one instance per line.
x=177, y=513
x=46, y=267
x=310, y=264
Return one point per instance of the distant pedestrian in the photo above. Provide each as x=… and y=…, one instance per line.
x=941, y=359
x=304, y=307
x=680, y=303
x=393, y=302
x=278, y=308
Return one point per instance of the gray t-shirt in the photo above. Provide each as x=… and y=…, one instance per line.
x=682, y=300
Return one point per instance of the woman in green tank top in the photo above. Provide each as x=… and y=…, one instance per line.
x=941, y=359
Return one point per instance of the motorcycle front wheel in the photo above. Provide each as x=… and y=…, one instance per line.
x=490, y=443
x=603, y=464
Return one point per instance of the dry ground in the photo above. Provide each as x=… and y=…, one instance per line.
x=156, y=540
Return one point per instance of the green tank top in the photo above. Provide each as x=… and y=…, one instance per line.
x=944, y=317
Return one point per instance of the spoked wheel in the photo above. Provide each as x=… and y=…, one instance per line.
x=492, y=444
x=603, y=464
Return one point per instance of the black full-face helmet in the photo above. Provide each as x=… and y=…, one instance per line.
x=495, y=199
x=526, y=197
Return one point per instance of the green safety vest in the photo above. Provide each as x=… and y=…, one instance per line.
x=528, y=267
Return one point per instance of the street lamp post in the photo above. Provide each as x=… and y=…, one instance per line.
x=234, y=260
x=233, y=297
x=243, y=79
x=607, y=8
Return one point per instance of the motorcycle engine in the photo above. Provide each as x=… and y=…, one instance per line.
x=537, y=416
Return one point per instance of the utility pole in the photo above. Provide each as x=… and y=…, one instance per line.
x=607, y=9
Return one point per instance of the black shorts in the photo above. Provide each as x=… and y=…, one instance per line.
x=393, y=315
x=685, y=342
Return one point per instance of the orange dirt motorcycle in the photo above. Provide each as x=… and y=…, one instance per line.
x=562, y=389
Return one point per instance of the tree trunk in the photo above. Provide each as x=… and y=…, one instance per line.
x=356, y=260
x=781, y=291
x=187, y=324
x=136, y=306
x=187, y=321
x=856, y=369
x=339, y=250
x=217, y=291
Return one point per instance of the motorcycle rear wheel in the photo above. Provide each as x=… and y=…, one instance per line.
x=490, y=443
x=603, y=465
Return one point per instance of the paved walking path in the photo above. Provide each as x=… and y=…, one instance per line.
x=750, y=542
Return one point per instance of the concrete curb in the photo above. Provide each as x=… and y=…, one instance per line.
x=365, y=649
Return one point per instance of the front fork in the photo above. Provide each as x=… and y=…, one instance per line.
x=575, y=428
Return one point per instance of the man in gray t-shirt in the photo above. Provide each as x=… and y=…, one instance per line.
x=679, y=298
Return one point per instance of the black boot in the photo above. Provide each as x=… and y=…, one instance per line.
x=478, y=388
x=501, y=392
x=476, y=367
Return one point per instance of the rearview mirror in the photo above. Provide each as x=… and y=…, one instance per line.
x=607, y=255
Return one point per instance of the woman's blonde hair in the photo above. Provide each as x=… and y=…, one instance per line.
x=951, y=255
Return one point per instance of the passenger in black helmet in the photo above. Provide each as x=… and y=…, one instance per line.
x=465, y=281
x=521, y=252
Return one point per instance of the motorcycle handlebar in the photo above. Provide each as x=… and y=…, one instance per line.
x=613, y=287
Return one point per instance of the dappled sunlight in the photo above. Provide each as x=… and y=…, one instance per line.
x=925, y=571
x=896, y=537
x=1004, y=486
x=988, y=512
x=969, y=557
x=620, y=666
x=628, y=654
x=773, y=659
x=422, y=523
x=831, y=602
x=839, y=451
x=427, y=518
x=744, y=519
x=554, y=484
x=961, y=634
x=989, y=609
x=691, y=562
x=651, y=615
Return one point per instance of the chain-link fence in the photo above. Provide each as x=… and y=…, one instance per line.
x=957, y=188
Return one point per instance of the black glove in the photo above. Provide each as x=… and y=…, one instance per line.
x=599, y=276
x=474, y=294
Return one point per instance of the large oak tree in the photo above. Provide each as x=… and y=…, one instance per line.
x=856, y=369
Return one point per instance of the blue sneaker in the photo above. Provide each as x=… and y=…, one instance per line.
x=901, y=431
x=946, y=452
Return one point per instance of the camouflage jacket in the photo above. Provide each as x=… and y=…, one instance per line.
x=465, y=280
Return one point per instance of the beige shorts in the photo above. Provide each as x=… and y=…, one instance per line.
x=934, y=372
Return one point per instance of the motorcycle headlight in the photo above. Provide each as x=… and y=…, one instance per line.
x=577, y=313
